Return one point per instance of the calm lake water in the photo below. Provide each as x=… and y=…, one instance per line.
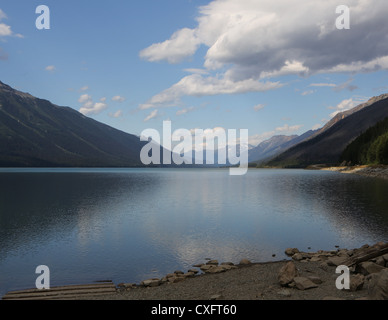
x=128, y=225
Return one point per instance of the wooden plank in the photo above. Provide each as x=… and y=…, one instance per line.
x=62, y=292
x=61, y=288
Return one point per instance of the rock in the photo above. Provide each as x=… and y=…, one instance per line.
x=287, y=273
x=356, y=282
x=189, y=275
x=216, y=269
x=178, y=272
x=127, y=286
x=284, y=292
x=378, y=286
x=385, y=257
x=151, y=283
x=291, y=251
x=315, y=279
x=337, y=261
x=198, y=265
x=227, y=264
x=324, y=266
x=212, y=262
x=303, y=283
x=315, y=259
x=380, y=261
x=368, y=267
x=245, y=262
x=297, y=256
x=193, y=271
x=176, y=279
x=206, y=267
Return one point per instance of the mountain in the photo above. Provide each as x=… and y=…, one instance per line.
x=36, y=133
x=371, y=147
x=327, y=145
x=274, y=146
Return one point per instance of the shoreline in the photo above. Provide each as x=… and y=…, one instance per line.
x=374, y=171
x=304, y=276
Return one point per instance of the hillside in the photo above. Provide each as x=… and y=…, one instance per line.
x=274, y=146
x=326, y=146
x=37, y=133
x=369, y=148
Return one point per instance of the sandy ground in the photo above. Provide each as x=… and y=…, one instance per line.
x=252, y=282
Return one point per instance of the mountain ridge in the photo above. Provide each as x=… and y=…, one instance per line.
x=327, y=145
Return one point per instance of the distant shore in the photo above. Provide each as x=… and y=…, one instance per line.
x=378, y=171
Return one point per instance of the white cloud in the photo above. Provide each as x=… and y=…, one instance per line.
x=50, y=68
x=249, y=40
x=84, y=98
x=184, y=111
x=197, y=71
x=308, y=92
x=118, y=99
x=317, y=126
x=259, y=107
x=331, y=85
x=2, y=15
x=90, y=107
x=152, y=115
x=117, y=114
x=84, y=88
x=5, y=30
x=197, y=85
x=183, y=43
x=346, y=105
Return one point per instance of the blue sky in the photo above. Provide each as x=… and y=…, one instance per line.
x=273, y=68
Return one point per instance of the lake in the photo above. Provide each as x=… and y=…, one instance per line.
x=128, y=225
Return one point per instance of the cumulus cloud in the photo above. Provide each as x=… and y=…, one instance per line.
x=248, y=41
x=5, y=30
x=89, y=107
x=182, y=44
x=198, y=85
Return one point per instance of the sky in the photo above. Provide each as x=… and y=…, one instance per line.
x=275, y=67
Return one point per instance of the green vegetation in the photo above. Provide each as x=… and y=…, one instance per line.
x=369, y=148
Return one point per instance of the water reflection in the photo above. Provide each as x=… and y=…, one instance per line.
x=128, y=225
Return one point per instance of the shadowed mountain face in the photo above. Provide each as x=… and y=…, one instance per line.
x=328, y=144
x=37, y=133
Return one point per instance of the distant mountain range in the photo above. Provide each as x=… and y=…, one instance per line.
x=37, y=133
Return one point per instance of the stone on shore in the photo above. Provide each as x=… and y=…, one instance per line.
x=287, y=273
x=151, y=283
x=368, y=267
x=303, y=283
x=356, y=282
x=378, y=286
x=291, y=251
x=245, y=262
